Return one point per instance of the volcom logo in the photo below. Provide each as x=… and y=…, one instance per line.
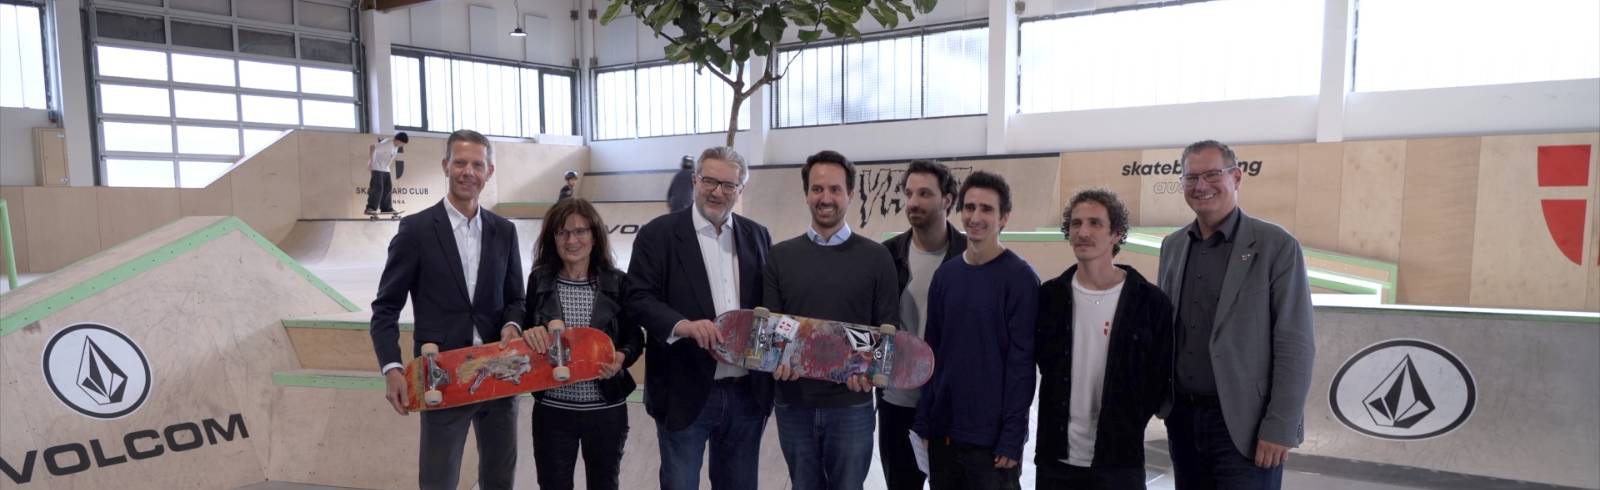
x=860, y=340
x=96, y=370
x=1403, y=389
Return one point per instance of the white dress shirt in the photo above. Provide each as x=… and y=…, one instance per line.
x=468, y=233
x=721, y=259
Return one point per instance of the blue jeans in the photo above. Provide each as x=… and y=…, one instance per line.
x=826, y=448
x=1203, y=456
x=732, y=423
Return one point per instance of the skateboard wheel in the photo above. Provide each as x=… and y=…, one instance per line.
x=762, y=312
x=430, y=349
x=886, y=330
x=880, y=380
x=562, y=373
x=433, y=397
x=556, y=326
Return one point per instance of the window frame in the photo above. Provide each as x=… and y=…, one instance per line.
x=636, y=67
x=421, y=55
x=922, y=102
x=46, y=55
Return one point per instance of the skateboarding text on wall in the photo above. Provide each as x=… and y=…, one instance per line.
x=101, y=373
x=1403, y=389
x=1174, y=169
x=398, y=194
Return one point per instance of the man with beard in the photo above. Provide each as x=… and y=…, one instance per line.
x=930, y=190
x=460, y=266
x=825, y=429
x=689, y=266
x=973, y=414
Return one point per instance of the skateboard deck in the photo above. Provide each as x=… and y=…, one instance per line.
x=486, y=372
x=393, y=215
x=823, y=349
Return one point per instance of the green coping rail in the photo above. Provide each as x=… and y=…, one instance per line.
x=365, y=381
x=6, y=246
x=132, y=268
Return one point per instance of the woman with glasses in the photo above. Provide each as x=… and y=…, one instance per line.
x=575, y=281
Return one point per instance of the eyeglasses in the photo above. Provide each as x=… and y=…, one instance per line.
x=581, y=233
x=712, y=183
x=1211, y=176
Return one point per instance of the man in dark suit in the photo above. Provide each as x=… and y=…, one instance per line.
x=689, y=266
x=1244, y=345
x=459, y=264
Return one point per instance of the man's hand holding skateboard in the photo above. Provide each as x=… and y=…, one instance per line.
x=857, y=383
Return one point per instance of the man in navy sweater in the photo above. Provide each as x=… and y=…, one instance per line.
x=825, y=429
x=973, y=414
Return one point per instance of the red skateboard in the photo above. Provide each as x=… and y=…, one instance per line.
x=823, y=349
x=438, y=380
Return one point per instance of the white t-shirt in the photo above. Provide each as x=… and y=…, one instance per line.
x=1092, y=312
x=383, y=154
x=914, y=309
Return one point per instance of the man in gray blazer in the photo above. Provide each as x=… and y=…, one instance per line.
x=1244, y=341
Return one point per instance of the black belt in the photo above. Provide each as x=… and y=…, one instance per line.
x=731, y=380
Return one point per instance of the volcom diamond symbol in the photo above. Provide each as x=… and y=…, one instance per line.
x=1400, y=400
x=100, y=378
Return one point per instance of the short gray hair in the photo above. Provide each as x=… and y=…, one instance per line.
x=469, y=136
x=726, y=154
x=1228, y=160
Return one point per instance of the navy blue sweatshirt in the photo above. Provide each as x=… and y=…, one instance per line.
x=980, y=325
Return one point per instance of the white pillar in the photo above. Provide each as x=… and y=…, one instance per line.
x=1002, y=72
x=74, y=96
x=376, y=37
x=1338, y=50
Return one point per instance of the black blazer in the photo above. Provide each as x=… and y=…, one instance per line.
x=425, y=264
x=668, y=284
x=608, y=315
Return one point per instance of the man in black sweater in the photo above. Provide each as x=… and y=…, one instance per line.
x=825, y=429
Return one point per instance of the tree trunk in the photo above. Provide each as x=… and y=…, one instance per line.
x=733, y=120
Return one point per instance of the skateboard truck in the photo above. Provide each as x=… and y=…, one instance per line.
x=434, y=375
x=762, y=340
x=883, y=356
x=559, y=355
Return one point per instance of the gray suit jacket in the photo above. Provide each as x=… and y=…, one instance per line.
x=1261, y=341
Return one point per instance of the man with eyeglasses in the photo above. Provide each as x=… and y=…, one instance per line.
x=689, y=266
x=1243, y=360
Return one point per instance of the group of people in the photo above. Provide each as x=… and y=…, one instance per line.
x=1220, y=346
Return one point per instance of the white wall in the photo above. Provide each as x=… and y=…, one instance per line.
x=16, y=144
x=1542, y=107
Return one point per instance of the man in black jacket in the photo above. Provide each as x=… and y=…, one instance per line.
x=1104, y=349
x=689, y=266
x=459, y=265
x=930, y=190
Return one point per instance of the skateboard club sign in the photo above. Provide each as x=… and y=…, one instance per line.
x=97, y=371
x=1404, y=390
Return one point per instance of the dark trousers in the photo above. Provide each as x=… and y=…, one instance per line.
x=957, y=465
x=444, y=436
x=731, y=423
x=558, y=435
x=1203, y=456
x=894, y=447
x=1059, y=475
x=378, y=192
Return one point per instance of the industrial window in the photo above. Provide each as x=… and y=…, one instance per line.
x=662, y=100
x=443, y=92
x=923, y=72
x=1474, y=42
x=22, y=57
x=1185, y=52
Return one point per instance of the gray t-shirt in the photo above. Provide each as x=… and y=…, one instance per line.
x=914, y=308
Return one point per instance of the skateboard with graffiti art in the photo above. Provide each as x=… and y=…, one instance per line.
x=823, y=349
x=438, y=380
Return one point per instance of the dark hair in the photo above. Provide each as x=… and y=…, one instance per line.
x=401, y=137
x=940, y=173
x=833, y=157
x=545, y=253
x=1228, y=160
x=1116, y=212
x=571, y=174
x=988, y=180
x=686, y=163
x=469, y=136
